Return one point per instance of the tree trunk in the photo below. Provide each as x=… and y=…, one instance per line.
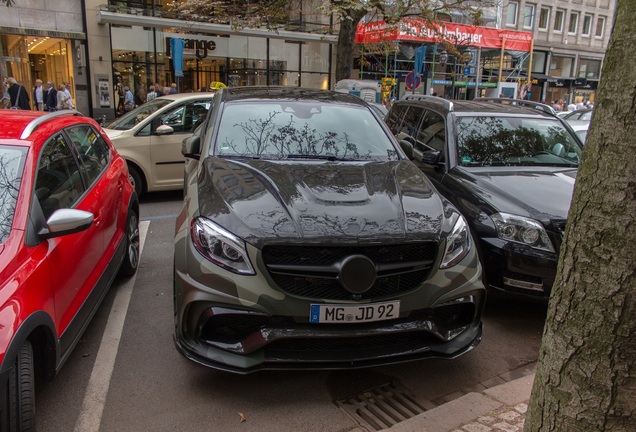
x=346, y=36
x=586, y=375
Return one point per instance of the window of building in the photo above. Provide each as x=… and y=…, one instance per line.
x=544, y=18
x=587, y=25
x=561, y=67
x=600, y=27
x=574, y=22
x=511, y=14
x=558, y=21
x=528, y=16
x=589, y=68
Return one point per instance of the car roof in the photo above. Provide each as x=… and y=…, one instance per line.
x=289, y=93
x=483, y=106
x=186, y=96
x=21, y=124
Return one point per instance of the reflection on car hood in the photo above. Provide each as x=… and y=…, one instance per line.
x=543, y=193
x=281, y=201
x=112, y=133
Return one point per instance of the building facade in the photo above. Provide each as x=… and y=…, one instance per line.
x=570, y=40
x=103, y=45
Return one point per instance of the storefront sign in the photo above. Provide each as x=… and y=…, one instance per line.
x=590, y=85
x=419, y=30
x=201, y=48
x=580, y=82
x=559, y=83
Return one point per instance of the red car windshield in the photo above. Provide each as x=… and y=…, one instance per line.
x=11, y=166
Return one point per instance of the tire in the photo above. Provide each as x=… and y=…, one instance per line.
x=135, y=180
x=20, y=409
x=132, y=255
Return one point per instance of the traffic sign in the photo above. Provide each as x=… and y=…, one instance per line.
x=412, y=81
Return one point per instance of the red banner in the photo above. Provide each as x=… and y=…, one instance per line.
x=413, y=29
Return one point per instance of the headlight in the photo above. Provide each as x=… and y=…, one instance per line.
x=457, y=244
x=220, y=246
x=522, y=230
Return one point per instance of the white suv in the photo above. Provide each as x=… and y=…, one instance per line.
x=149, y=138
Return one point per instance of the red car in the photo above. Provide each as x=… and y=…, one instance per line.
x=69, y=224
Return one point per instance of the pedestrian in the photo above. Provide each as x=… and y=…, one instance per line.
x=571, y=107
x=151, y=94
x=18, y=95
x=69, y=98
x=129, y=99
x=62, y=98
x=173, y=88
x=140, y=95
x=166, y=91
x=580, y=105
x=38, y=95
x=6, y=100
x=556, y=106
x=51, y=97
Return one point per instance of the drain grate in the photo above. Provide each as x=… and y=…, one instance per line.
x=383, y=406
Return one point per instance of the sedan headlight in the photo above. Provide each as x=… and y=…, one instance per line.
x=522, y=230
x=457, y=243
x=220, y=246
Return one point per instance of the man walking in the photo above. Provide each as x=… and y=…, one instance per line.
x=38, y=96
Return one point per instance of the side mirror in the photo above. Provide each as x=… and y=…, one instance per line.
x=407, y=148
x=66, y=221
x=191, y=147
x=164, y=130
x=431, y=157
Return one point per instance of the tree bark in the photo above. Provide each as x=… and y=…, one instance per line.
x=586, y=375
x=346, y=44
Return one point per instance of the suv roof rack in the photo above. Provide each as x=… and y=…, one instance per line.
x=446, y=102
x=28, y=130
x=543, y=107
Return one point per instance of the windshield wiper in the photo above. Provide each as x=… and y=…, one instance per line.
x=316, y=157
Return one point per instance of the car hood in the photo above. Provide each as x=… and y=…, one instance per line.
x=543, y=193
x=287, y=201
x=112, y=133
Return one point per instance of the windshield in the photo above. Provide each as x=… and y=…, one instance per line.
x=484, y=141
x=139, y=114
x=299, y=129
x=11, y=166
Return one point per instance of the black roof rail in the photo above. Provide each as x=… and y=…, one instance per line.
x=28, y=130
x=446, y=102
x=522, y=102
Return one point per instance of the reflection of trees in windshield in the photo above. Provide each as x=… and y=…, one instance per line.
x=488, y=139
x=485, y=140
x=270, y=137
x=10, y=170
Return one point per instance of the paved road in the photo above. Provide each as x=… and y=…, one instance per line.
x=136, y=381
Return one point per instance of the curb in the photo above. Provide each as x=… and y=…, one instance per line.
x=458, y=412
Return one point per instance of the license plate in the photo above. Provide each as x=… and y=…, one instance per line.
x=328, y=313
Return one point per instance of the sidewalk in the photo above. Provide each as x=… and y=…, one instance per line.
x=497, y=409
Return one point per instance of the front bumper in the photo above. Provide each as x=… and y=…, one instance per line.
x=310, y=346
x=518, y=269
x=244, y=324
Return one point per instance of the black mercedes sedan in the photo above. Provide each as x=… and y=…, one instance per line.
x=308, y=239
x=509, y=166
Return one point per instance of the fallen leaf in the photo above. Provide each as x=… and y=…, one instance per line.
x=242, y=416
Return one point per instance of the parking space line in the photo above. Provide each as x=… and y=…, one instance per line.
x=90, y=416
